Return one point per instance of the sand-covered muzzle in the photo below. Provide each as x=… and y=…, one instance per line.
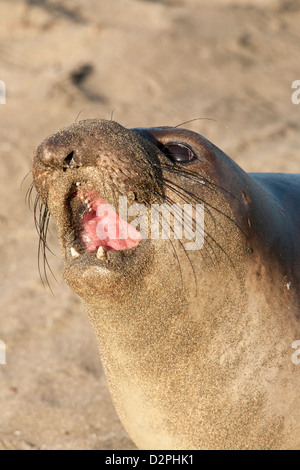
x=79, y=174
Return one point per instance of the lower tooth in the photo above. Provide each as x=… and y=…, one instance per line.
x=100, y=252
x=74, y=253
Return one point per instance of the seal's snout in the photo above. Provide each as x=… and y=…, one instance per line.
x=60, y=155
x=80, y=145
x=79, y=172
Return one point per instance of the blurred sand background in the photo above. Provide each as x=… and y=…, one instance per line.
x=149, y=63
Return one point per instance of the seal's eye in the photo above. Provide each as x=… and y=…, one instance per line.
x=180, y=153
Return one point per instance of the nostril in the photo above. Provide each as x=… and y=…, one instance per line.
x=69, y=160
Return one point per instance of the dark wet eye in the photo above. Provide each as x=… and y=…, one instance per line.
x=180, y=153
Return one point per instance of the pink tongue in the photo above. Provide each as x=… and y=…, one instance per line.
x=103, y=227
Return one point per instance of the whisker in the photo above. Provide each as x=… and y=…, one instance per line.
x=41, y=221
x=176, y=191
x=191, y=226
x=193, y=176
x=188, y=197
x=26, y=176
x=81, y=111
x=195, y=119
x=198, y=199
x=175, y=254
x=28, y=196
x=184, y=250
x=43, y=247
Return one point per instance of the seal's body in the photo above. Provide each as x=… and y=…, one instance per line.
x=196, y=344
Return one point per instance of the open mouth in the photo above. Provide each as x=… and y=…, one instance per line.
x=98, y=227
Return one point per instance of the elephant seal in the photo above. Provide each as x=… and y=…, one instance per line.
x=196, y=343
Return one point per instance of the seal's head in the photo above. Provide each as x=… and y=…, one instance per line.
x=83, y=172
x=80, y=173
x=166, y=307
